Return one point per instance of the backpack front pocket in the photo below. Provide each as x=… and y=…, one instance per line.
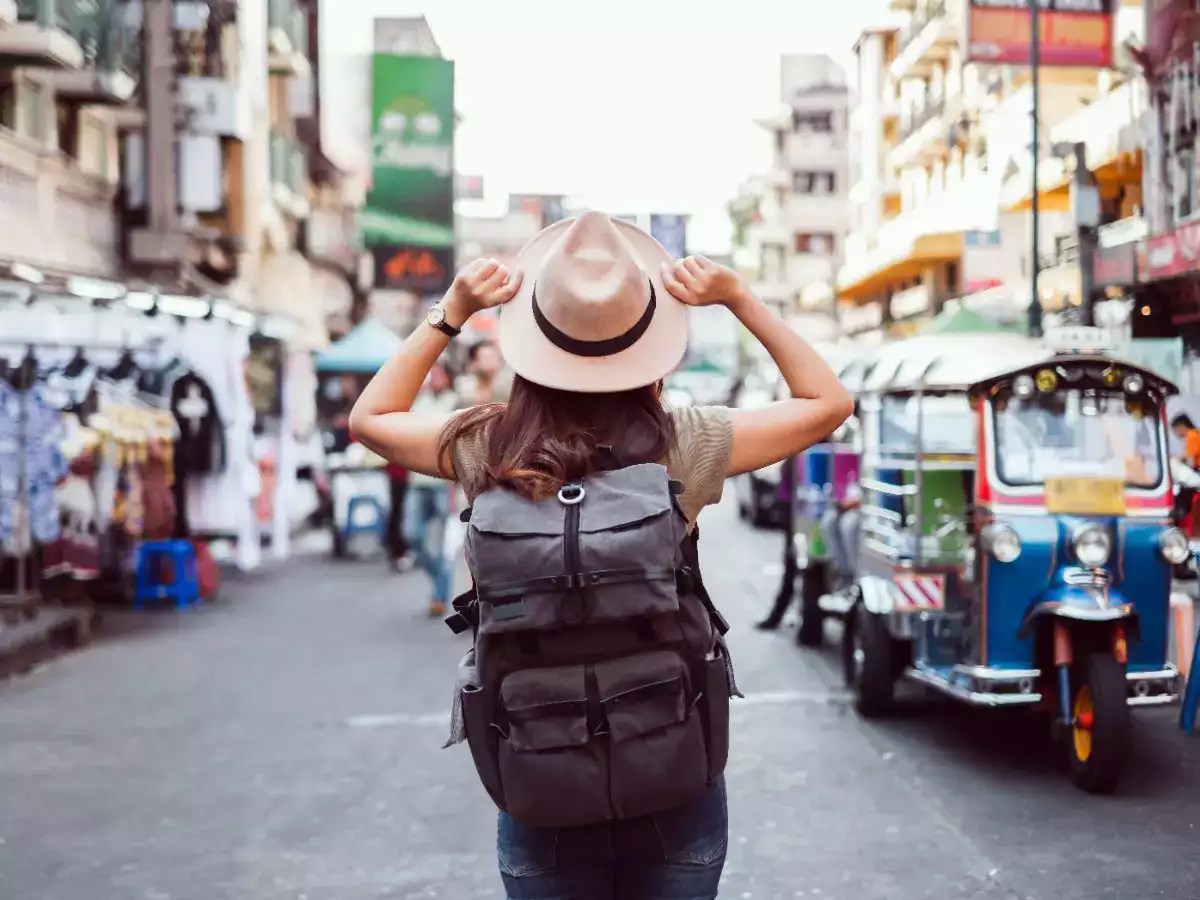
x=656, y=737
x=553, y=773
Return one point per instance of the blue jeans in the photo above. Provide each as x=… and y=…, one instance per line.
x=676, y=855
x=425, y=512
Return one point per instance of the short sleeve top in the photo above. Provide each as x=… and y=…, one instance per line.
x=698, y=457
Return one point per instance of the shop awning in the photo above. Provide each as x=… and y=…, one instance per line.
x=865, y=282
x=363, y=351
x=1054, y=183
x=965, y=321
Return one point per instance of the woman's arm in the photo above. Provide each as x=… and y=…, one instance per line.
x=819, y=403
x=382, y=417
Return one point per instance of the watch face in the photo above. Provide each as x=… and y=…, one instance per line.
x=436, y=316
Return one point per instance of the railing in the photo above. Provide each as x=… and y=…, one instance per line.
x=289, y=164
x=914, y=120
x=291, y=19
x=99, y=27
x=923, y=14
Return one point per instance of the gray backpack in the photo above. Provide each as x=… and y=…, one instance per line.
x=603, y=677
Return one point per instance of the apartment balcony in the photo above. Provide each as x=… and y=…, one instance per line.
x=925, y=42
x=8, y=13
x=45, y=33
x=289, y=175
x=923, y=134
x=287, y=41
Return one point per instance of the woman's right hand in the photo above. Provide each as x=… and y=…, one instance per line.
x=482, y=284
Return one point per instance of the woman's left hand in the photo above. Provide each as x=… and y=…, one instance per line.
x=698, y=281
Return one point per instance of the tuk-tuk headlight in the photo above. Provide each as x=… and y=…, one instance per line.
x=1174, y=546
x=1002, y=542
x=1093, y=545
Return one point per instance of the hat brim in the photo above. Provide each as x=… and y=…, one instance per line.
x=531, y=355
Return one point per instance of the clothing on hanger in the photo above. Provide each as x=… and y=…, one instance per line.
x=201, y=447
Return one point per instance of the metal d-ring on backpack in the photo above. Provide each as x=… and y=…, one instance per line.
x=604, y=680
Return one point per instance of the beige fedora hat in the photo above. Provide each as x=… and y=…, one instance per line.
x=592, y=314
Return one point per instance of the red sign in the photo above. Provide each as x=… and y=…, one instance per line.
x=421, y=270
x=1115, y=266
x=1071, y=32
x=1174, y=253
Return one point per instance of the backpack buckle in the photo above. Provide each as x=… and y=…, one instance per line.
x=457, y=623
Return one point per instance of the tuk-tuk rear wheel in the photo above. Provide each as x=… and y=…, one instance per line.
x=869, y=668
x=1099, y=733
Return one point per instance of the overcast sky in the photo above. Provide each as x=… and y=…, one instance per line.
x=634, y=105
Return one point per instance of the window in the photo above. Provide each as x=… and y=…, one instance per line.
x=812, y=122
x=821, y=183
x=819, y=242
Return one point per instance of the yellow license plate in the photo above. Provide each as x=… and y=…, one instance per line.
x=1085, y=496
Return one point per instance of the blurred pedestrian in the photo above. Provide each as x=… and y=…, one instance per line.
x=1189, y=437
x=399, y=557
x=429, y=498
x=485, y=370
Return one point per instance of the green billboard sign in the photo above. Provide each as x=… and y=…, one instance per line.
x=411, y=201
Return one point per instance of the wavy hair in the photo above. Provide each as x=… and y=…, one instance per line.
x=544, y=438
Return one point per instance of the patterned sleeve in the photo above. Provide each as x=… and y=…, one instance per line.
x=703, y=443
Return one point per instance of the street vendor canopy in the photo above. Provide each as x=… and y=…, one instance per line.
x=364, y=350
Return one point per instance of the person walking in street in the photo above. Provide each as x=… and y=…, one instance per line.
x=429, y=498
x=1189, y=437
x=485, y=366
x=399, y=557
x=593, y=318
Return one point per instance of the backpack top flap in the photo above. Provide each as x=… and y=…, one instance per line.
x=608, y=551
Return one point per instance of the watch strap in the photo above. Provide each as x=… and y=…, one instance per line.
x=447, y=329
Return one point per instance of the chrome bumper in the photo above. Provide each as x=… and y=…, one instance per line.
x=986, y=686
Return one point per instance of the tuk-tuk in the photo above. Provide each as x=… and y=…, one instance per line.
x=825, y=520
x=1016, y=545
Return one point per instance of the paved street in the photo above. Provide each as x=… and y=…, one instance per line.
x=284, y=743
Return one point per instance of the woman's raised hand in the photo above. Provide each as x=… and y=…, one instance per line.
x=698, y=281
x=482, y=284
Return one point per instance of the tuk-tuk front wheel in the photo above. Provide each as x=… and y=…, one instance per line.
x=870, y=672
x=1099, y=733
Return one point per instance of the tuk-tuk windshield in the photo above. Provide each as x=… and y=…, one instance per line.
x=1076, y=432
x=947, y=424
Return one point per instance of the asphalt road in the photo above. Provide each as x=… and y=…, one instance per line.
x=285, y=743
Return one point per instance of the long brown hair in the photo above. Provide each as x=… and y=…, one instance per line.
x=544, y=438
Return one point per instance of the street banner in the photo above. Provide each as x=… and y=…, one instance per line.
x=982, y=261
x=1115, y=266
x=1171, y=31
x=1174, y=253
x=1072, y=32
x=546, y=208
x=671, y=232
x=408, y=220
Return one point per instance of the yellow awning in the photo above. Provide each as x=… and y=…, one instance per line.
x=910, y=262
x=1054, y=195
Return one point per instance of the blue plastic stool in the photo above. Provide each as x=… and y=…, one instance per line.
x=181, y=556
x=376, y=523
x=1191, y=697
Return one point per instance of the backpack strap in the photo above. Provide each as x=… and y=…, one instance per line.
x=690, y=581
x=466, y=612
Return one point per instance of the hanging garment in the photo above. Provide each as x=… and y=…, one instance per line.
x=29, y=429
x=157, y=498
x=201, y=447
x=76, y=552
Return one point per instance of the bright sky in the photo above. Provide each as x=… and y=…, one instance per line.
x=632, y=105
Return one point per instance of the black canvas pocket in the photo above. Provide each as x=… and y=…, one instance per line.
x=656, y=737
x=482, y=738
x=553, y=772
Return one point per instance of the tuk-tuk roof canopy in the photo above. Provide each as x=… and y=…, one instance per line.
x=363, y=351
x=948, y=362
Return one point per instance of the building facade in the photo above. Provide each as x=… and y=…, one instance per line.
x=790, y=221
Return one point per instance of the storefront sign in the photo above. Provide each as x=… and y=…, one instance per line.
x=1174, y=253
x=546, y=208
x=1072, y=32
x=411, y=201
x=422, y=270
x=1115, y=266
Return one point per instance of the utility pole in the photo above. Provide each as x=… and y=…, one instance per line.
x=1035, y=302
